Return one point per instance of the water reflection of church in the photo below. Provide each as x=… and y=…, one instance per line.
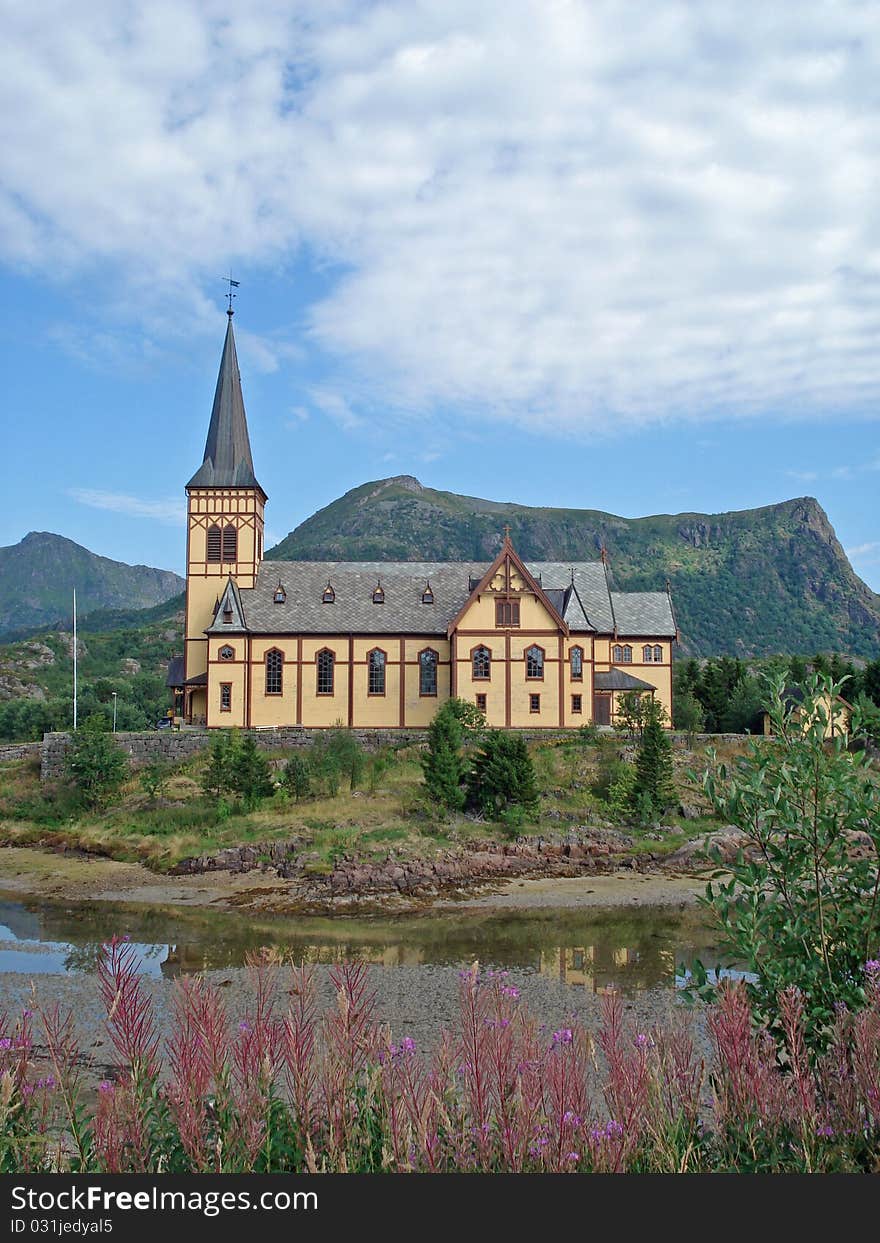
x=603, y=967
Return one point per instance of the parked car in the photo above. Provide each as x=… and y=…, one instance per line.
x=164, y=722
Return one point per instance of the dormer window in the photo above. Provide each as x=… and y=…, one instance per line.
x=329, y=596
x=280, y=595
x=227, y=614
x=427, y=595
x=378, y=594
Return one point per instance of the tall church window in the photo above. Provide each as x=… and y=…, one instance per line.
x=230, y=543
x=577, y=664
x=627, y=654
x=481, y=663
x=658, y=654
x=225, y=696
x=274, y=672
x=648, y=654
x=376, y=671
x=535, y=662
x=214, y=541
x=428, y=672
x=325, y=663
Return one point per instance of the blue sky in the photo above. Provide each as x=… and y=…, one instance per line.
x=622, y=256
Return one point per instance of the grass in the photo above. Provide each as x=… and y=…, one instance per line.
x=357, y=823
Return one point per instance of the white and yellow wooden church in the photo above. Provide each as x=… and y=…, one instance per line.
x=380, y=644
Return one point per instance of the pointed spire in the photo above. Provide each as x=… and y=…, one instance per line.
x=228, y=461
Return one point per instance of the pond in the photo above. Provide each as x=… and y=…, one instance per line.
x=633, y=949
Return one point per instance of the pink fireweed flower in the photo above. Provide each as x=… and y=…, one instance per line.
x=563, y=1036
x=105, y=1087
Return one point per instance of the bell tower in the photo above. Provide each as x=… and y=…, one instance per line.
x=225, y=505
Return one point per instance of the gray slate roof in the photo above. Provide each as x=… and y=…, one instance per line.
x=228, y=461
x=587, y=606
x=617, y=680
x=175, y=672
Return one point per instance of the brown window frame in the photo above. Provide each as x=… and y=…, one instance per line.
x=428, y=651
x=627, y=654
x=224, y=649
x=577, y=705
x=576, y=677
x=383, y=667
x=230, y=544
x=325, y=651
x=226, y=694
x=658, y=654
x=507, y=614
x=534, y=677
x=274, y=651
x=534, y=704
x=480, y=677
x=481, y=707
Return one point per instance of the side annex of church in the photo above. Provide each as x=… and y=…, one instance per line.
x=381, y=644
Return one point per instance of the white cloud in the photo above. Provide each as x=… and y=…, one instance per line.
x=862, y=551
x=550, y=212
x=171, y=510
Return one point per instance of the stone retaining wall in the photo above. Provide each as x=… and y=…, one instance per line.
x=175, y=746
x=20, y=750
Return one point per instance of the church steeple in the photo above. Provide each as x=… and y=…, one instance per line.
x=228, y=462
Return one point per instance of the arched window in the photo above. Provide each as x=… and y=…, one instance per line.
x=226, y=652
x=214, y=541
x=577, y=664
x=658, y=654
x=428, y=672
x=617, y=652
x=627, y=654
x=230, y=543
x=376, y=671
x=648, y=654
x=325, y=663
x=329, y=595
x=535, y=662
x=481, y=663
x=274, y=672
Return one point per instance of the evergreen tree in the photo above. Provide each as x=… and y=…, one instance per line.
x=250, y=775
x=217, y=775
x=297, y=777
x=502, y=774
x=443, y=763
x=654, y=770
x=94, y=763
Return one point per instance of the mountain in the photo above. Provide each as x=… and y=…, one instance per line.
x=38, y=575
x=748, y=583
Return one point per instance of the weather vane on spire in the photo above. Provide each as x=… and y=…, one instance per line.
x=232, y=285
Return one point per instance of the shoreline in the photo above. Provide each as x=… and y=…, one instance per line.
x=29, y=872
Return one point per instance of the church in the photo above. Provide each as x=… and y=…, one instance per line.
x=379, y=645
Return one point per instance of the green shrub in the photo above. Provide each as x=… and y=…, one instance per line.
x=94, y=764
x=154, y=778
x=800, y=907
x=250, y=775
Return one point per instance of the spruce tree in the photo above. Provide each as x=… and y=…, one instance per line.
x=250, y=775
x=654, y=770
x=443, y=764
x=502, y=774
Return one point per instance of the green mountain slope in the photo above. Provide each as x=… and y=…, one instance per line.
x=38, y=575
x=750, y=582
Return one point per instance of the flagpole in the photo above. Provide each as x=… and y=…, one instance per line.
x=74, y=658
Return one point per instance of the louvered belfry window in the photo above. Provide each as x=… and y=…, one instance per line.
x=230, y=543
x=213, y=553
